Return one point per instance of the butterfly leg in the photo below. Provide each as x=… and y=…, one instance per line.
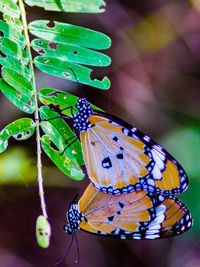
x=70, y=110
x=70, y=143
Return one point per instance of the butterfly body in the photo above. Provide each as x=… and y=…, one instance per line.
x=135, y=215
x=119, y=158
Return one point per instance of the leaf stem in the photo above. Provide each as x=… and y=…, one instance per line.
x=39, y=152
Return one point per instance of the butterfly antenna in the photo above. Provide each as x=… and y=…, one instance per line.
x=78, y=251
x=79, y=85
x=67, y=251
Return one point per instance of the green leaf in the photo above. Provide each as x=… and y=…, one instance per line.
x=21, y=101
x=16, y=80
x=10, y=8
x=43, y=231
x=12, y=63
x=57, y=67
x=12, y=33
x=69, y=34
x=13, y=22
x=58, y=131
x=12, y=49
x=20, y=130
x=4, y=136
x=87, y=6
x=61, y=99
x=65, y=164
x=65, y=36
x=71, y=53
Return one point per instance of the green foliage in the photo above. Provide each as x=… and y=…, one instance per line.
x=71, y=53
x=20, y=130
x=59, y=47
x=60, y=38
x=16, y=75
x=58, y=132
x=87, y=6
x=10, y=8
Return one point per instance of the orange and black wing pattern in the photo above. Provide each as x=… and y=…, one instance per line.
x=119, y=158
x=134, y=215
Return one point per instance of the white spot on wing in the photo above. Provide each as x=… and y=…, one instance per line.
x=158, y=157
x=126, y=131
x=146, y=138
x=152, y=236
x=137, y=237
x=161, y=198
x=134, y=129
x=160, y=209
x=158, y=220
x=151, y=182
x=156, y=173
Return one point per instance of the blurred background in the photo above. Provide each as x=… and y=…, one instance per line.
x=155, y=75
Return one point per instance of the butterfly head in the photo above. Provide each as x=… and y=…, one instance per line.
x=81, y=103
x=74, y=217
x=81, y=121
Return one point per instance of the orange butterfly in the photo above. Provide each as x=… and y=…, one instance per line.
x=119, y=158
x=135, y=215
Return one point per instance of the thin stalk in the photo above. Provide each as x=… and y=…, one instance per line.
x=39, y=152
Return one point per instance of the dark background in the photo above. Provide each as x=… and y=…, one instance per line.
x=155, y=75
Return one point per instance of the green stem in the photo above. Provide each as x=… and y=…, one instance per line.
x=39, y=152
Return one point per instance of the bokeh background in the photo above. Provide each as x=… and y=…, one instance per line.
x=155, y=75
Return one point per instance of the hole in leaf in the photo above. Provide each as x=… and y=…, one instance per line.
x=41, y=51
x=102, y=7
x=28, y=132
x=53, y=146
x=19, y=96
x=29, y=102
x=53, y=94
x=67, y=75
x=26, y=108
x=19, y=136
x=1, y=67
x=53, y=45
x=98, y=74
x=75, y=52
x=50, y=24
x=40, y=42
x=2, y=54
x=1, y=34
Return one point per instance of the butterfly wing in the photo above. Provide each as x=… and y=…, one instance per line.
x=135, y=215
x=119, y=158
